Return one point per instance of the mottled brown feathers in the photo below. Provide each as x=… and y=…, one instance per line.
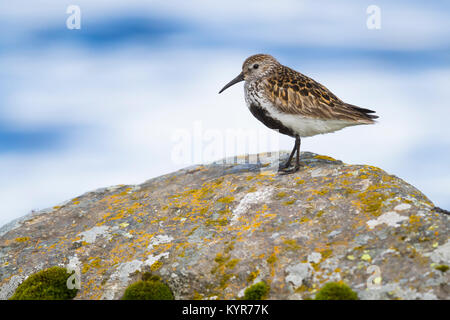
x=294, y=93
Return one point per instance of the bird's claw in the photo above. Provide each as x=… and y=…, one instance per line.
x=287, y=170
x=284, y=166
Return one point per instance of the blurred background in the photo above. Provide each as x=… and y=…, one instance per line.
x=98, y=106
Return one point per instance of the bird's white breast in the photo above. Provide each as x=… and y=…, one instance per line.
x=303, y=126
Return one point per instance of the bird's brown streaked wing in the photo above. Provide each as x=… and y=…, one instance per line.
x=294, y=93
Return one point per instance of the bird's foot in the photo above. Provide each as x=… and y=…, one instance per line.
x=284, y=166
x=284, y=171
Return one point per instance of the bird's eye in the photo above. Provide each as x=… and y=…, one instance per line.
x=255, y=66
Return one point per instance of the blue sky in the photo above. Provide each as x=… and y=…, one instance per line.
x=83, y=109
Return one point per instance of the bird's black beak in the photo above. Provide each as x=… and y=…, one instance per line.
x=239, y=78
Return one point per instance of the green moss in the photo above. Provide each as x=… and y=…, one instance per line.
x=336, y=291
x=442, y=267
x=149, y=288
x=49, y=284
x=257, y=291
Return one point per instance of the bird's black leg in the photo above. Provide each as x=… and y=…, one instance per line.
x=284, y=167
x=297, y=158
x=288, y=162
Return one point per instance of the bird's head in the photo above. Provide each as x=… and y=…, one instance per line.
x=254, y=67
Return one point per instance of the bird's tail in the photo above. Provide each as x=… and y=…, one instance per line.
x=365, y=113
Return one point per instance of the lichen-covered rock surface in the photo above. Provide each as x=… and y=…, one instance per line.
x=211, y=231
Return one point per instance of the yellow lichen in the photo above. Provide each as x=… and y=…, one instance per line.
x=225, y=199
x=325, y=158
x=22, y=239
x=253, y=275
x=326, y=253
x=372, y=202
x=197, y=296
x=366, y=257
x=155, y=266
x=291, y=244
x=272, y=258
x=93, y=263
x=289, y=202
x=281, y=195
x=231, y=264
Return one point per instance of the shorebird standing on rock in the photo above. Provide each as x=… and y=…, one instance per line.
x=294, y=104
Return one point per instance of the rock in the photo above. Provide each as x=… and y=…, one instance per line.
x=210, y=231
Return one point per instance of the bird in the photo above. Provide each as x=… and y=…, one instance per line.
x=294, y=104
